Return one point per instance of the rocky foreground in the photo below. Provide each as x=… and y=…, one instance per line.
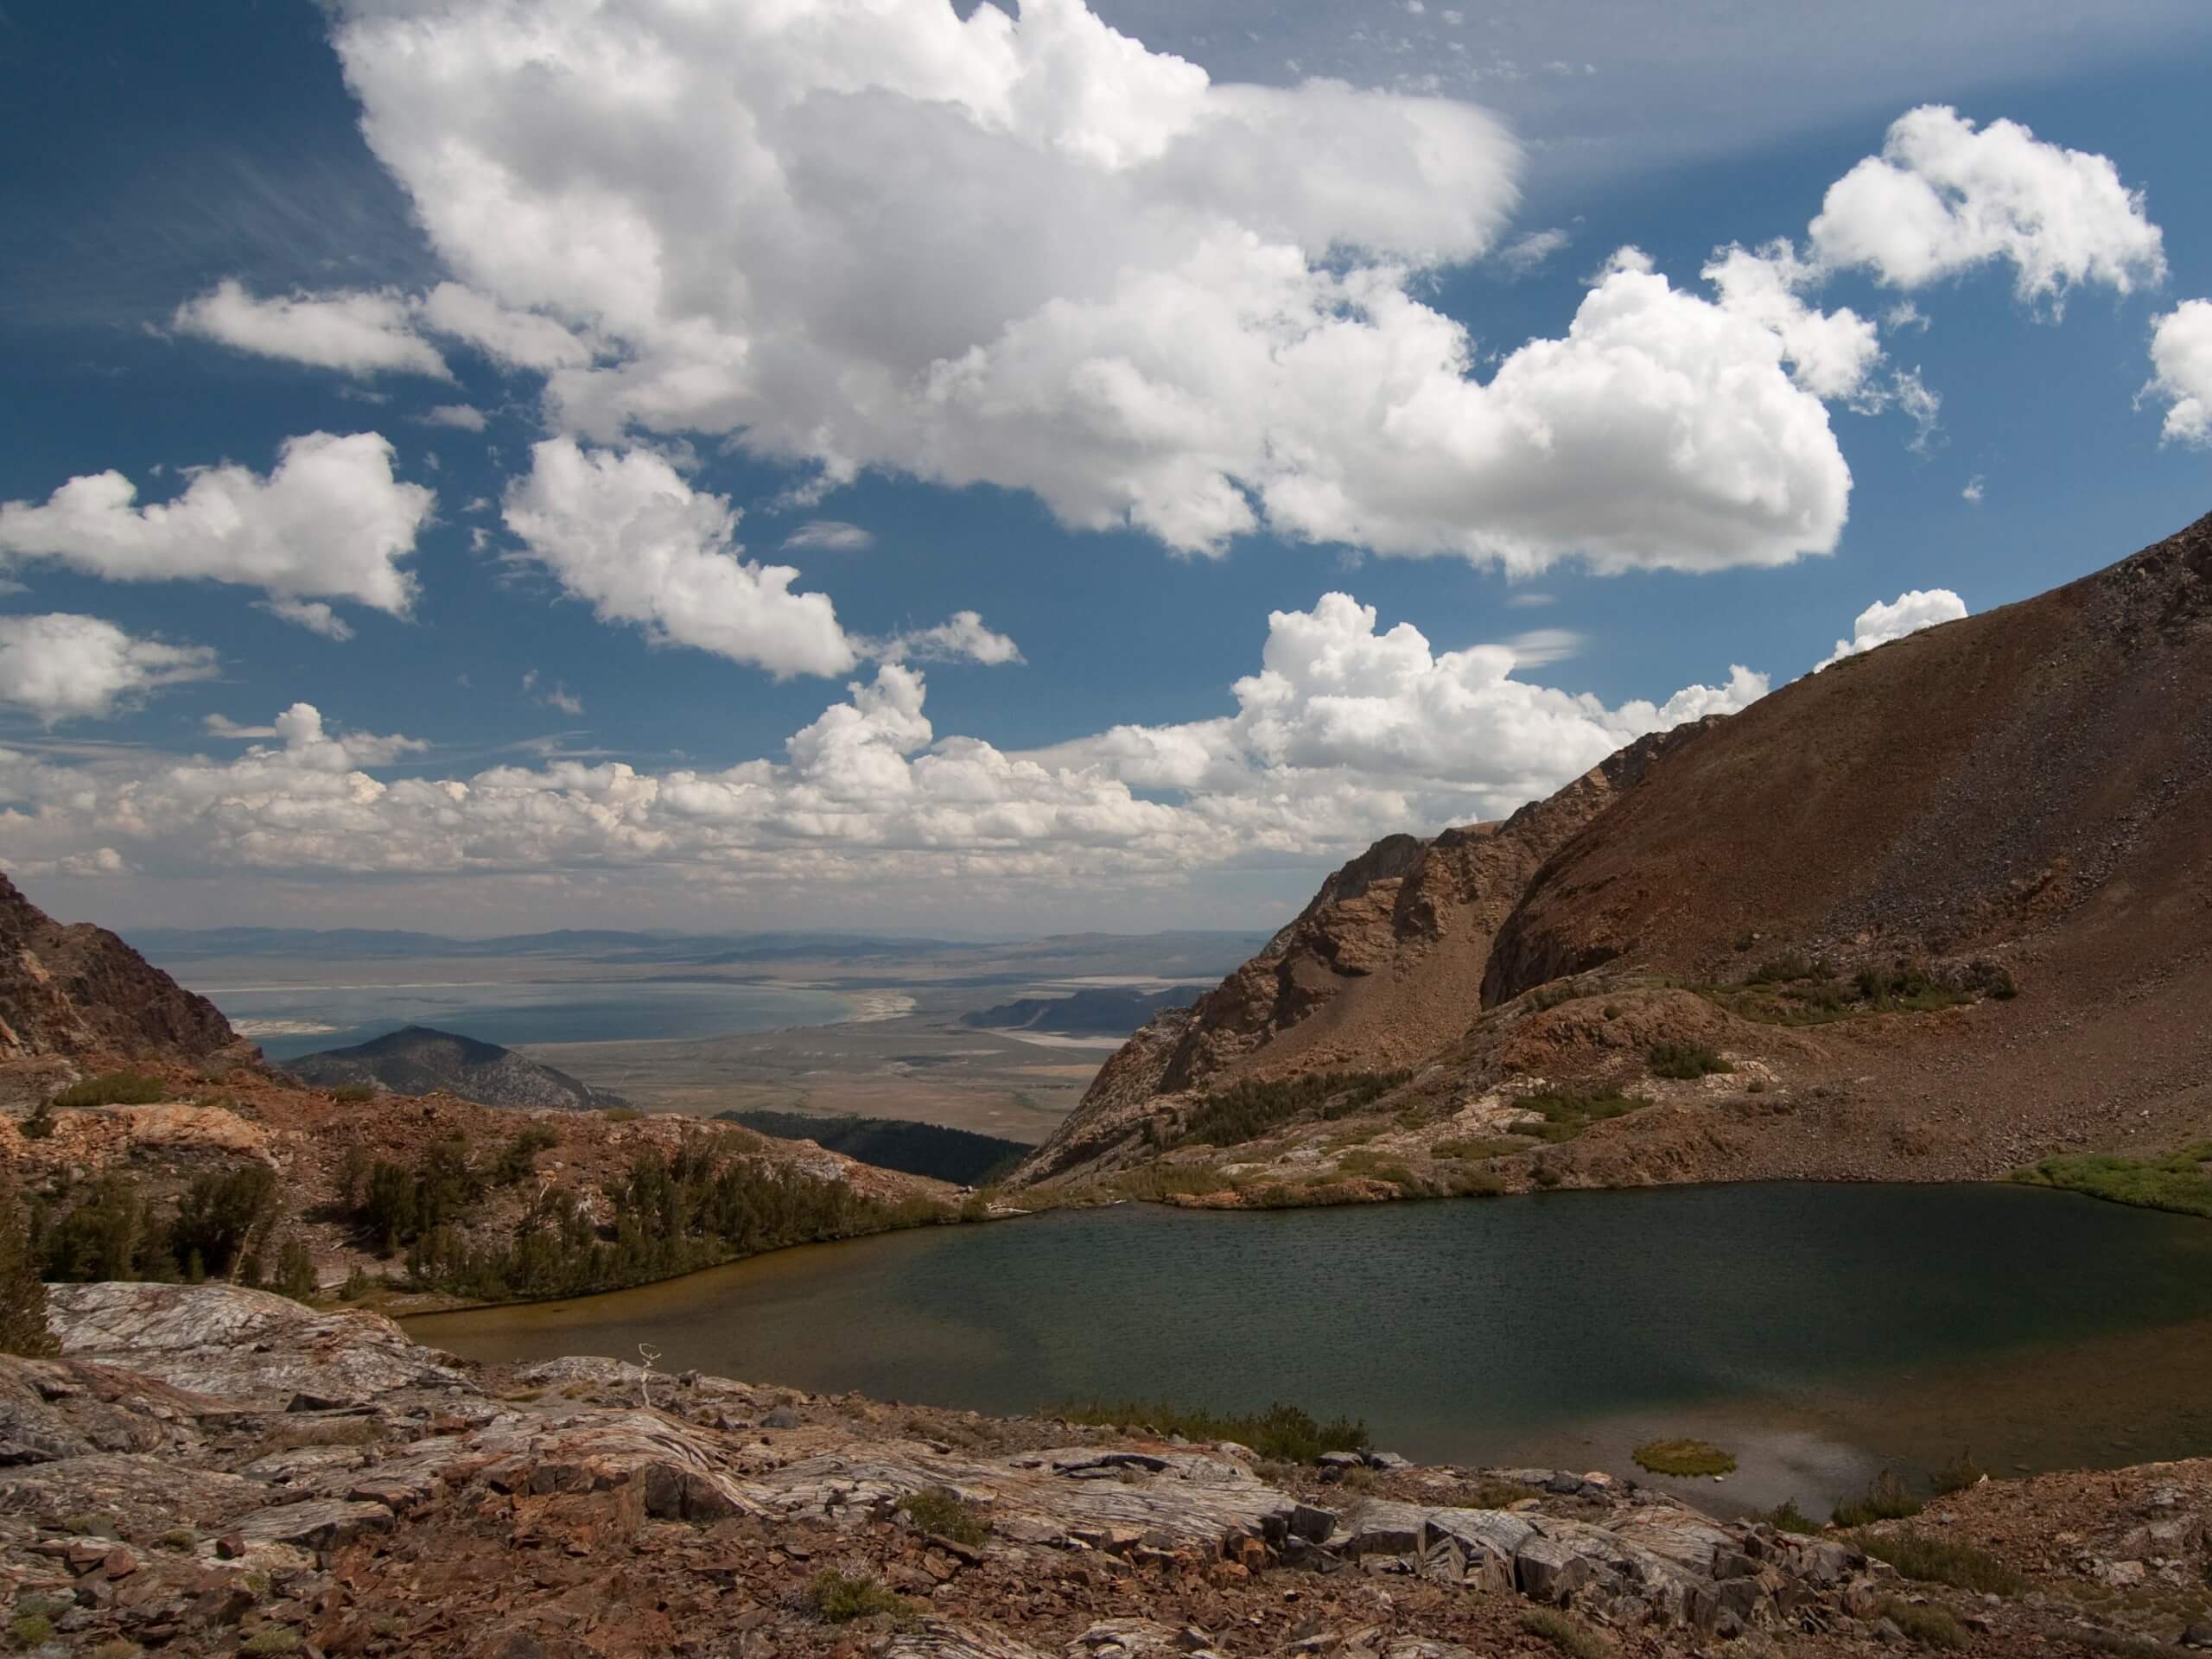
x=210, y=1470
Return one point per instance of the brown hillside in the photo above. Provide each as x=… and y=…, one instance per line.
x=78, y=990
x=2046, y=766
x=2021, y=799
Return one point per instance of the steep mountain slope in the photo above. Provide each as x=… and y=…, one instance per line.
x=1383, y=966
x=1817, y=911
x=78, y=989
x=416, y=1060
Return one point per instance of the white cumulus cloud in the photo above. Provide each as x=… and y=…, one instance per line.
x=963, y=636
x=2181, y=363
x=624, y=532
x=1033, y=253
x=1945, y=197
x=1882, y=622
x=359, y=333
x=329, y=520
x=62, y=666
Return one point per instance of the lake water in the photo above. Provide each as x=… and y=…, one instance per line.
x=293, y=1019
x=1820, y=1332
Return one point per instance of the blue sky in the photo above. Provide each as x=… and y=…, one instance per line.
x=997, y=418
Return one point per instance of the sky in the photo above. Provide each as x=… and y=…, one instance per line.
x=984, y=471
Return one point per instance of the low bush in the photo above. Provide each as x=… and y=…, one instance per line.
x=1786, y=1516
x=352, y=1094
x=1245, y=1111
x=1957, y=1475
x=947, y=1514
x=113, y=1089
x=1684, y=1458
x=1568, y=1112
x=1474, y=1148
x=1929, y=1559
x=1685, y=1061
x=1884, y=1499
x=1378, y=1166
x=622, y=1114
x=1938, y=1627
x=839, y=1599
x=1567, y=1633
x=1285, y=1434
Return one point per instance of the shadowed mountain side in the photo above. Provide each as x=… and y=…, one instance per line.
x=416, y=1060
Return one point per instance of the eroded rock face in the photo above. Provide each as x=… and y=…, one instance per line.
x=79, y=990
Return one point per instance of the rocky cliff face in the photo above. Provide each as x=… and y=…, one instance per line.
x=417, y=1061
x=207, y=1470
x=1382, y=969
x=75, y=991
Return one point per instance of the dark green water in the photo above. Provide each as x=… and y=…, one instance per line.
x=1820, y=1331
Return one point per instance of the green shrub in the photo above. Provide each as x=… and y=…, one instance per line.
x=24, y=1329
x=1925, y=1621
x=1957, y=1475
x=947, y=1514
x=1244, y=1111
x=1284, y=1433
x=1786, y=1516
x=295, y=1269
x=182, y=1538
x=1474, y=1148
x=114, y=1089
x=271, y=1638
x=622, y=1114
x=1375, y=1165
x=1684, y=1458
x=2180, y=1181
x=1884, y=1499
x=1930, y=1560
x=39, y=1126
x=31, y=1630
x=518, y=1160
x=1685, y=1061
x=839, y=1599
x=1567, y=1112
x=352, y=1094
x=1567, y=1633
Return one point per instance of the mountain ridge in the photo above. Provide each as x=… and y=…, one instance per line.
x=1935, y=911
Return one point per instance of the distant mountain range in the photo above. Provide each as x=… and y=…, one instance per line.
x=416, y=1060
x=1190, y=951
x=1108, y=1012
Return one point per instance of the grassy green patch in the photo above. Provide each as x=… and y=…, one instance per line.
x=1884, y=1499
x=1379, y=1166
x=1786, y=1516
x=1158, y=1181
x=271, y=1638
x=1685, y=1061
x=2181, y=1180
x=114, y=1089
x=839, y=1600
x=1684, y=1458
x=1285, y=1434
x=1796, y=989
x=1488, y=1494
x=947, y=1514
x=1930, y=1560
x=1568, y=1112
x=1567, y=1633
x=1938, y=1627
x=1245, y=1111
x=31, y=1630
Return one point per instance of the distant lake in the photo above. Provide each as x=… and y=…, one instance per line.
x=1820, y=1332
x=293, y=1019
